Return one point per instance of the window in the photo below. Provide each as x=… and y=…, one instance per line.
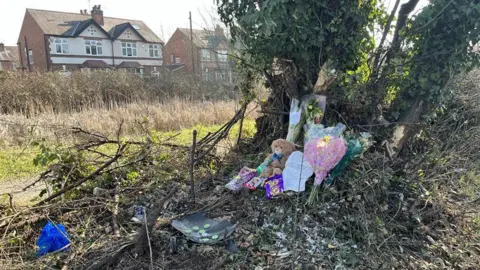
x=61, y=45
x=205, y=55
x=222, y=56
x=223, y=75
x=178, y=60
x=206, y=75
x=93, y=47
x=129, y=49
x=30, y=56
x=154, y=50
x=172, y=59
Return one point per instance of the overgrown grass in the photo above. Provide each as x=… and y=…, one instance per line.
x=16, y=162
x=34, y=93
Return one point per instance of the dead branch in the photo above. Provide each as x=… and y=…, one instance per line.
x=111, y=259
x=116, y=230
x=211, y=141
x=142, y=241
x=192, y=165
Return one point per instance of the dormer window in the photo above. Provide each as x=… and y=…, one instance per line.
x=61, y=45
x=129, y=49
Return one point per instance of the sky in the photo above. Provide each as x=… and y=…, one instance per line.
x=157, y=14
x=162, y=16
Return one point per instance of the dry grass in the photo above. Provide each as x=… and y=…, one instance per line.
x=175, y=114
x=36, y=93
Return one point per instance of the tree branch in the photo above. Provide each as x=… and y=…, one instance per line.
x=405, y=10
x=384, y=37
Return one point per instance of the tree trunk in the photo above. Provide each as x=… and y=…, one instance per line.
x=274, y=123
x=407, y=127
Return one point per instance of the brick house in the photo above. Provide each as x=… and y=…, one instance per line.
x=210, y=54
x=52, y=40
x=8, y=57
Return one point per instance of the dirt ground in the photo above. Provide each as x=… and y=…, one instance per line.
x=16, y=186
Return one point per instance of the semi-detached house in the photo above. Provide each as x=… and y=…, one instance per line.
x=52, y=40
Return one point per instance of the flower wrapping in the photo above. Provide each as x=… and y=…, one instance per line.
x=324, y=154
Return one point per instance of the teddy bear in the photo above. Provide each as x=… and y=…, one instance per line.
x=282, y=149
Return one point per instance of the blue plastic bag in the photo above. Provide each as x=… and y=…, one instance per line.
x=52, y=239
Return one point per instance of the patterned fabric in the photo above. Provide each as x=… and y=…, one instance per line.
x=323, y=154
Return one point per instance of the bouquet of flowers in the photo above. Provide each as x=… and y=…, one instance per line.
x=296, y=121
x=314, y=109
x=323, y=154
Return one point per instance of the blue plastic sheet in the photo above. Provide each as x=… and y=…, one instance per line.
x=52, y=239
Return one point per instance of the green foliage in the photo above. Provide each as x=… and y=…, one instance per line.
x=308, y=32
x=438, y=46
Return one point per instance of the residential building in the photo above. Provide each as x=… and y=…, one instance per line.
x=8, y=57
x=210, y=53
x=52, y=40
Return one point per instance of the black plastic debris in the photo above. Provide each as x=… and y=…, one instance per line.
x=201, y=229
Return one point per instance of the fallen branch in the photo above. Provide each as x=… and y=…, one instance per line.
x=141, y=243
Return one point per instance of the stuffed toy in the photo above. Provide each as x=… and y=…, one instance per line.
x=281, y=150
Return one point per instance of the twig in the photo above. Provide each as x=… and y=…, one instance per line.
x=116, y=199
x=273, y=112
x=111, y=259
x=8, y=226
x=10, y=201
x=60, y=231
x=192, y=165
x=42, y=176
x=156, y=211
x=240, y=129
x=386, y=239
x=148, y=238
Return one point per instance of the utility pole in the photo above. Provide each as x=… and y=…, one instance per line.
x=27, y=51
x=191, y=42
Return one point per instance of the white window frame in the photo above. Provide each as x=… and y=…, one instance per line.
x=222, y=75
x=154, y=50
x=90, y=44
x=206, y=75
x=61, y=45
x=30, y=56
x=222, y=55
x=132, y=46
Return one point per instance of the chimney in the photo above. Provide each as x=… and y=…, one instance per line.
x=2, y=47
x=97, y=14
x=218, y=31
